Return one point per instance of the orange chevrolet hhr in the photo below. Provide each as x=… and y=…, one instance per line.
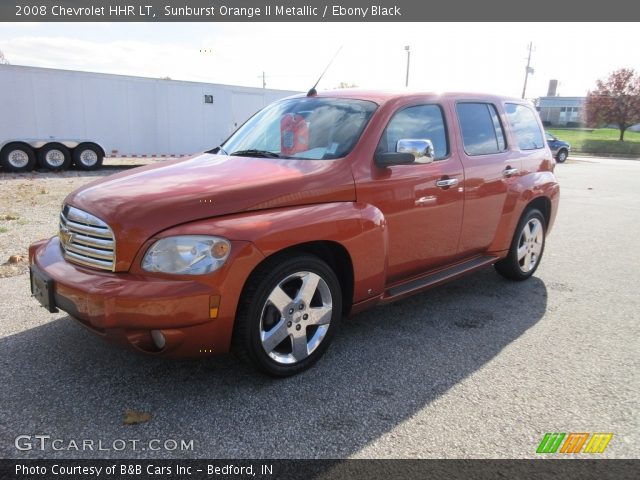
x=319, y=206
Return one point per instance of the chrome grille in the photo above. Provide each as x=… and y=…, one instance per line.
x=86, y=239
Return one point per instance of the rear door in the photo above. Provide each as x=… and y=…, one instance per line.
x=491, y=172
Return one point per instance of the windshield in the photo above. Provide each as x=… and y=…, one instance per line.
x=304, y=128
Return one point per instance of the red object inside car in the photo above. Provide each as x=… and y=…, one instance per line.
x=294, y=134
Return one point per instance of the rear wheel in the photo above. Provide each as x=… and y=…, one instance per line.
x=88, y=156
x=562, y=155
x=54, y=156
x=17, y=157
x=287, y=315
x=526, y=249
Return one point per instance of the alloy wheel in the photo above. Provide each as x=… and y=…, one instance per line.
x=296, y=317
x=530, y=245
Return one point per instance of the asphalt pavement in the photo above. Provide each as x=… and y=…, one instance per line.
x=479, y=368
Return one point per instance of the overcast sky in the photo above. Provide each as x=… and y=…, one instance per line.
x=479, y=57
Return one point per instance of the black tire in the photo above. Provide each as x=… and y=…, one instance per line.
x=255, y=310
x=513, y=266
x=87, y=156
x=17, y=157
x=562, y=155
x=54, y=156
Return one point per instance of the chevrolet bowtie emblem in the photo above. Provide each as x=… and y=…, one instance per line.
x=65, y=235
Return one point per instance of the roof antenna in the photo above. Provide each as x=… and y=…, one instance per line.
x=313, y=92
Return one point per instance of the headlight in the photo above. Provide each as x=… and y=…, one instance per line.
x=187, y=255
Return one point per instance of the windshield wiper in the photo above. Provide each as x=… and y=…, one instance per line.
x=255, y=153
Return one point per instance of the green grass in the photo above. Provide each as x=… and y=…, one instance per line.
x=601, y=140
x=3, y=230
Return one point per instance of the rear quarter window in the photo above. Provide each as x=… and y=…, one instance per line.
x=524, y=126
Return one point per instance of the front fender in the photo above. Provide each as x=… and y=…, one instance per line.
x=359, y=228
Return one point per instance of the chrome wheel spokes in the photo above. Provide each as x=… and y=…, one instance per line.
x=296, y=317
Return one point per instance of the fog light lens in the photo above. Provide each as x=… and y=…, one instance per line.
x=158, y=339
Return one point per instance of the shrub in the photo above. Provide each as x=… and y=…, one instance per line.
x=610, y=147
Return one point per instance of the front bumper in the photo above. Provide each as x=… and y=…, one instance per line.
x=126, y=307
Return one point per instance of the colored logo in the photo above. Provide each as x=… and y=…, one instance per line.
x=574, y=443
x=65, y=235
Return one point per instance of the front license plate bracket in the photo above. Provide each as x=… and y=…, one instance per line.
x=42, y=289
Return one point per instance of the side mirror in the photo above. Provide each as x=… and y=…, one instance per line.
x=422, y=150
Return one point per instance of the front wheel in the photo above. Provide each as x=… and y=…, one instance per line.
x=526, y=249
x=562, y=156
x=287, y=315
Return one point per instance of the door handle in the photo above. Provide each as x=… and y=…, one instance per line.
x=508, y=172
x=446, y=183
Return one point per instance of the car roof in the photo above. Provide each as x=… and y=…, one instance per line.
x=383, y=96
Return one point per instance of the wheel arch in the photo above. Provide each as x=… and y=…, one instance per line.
x=332, y=253
x=544, y=205
x=546, y=201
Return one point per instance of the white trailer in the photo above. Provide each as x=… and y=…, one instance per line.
x=53, y=119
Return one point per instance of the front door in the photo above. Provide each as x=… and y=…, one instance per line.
x=423, y=212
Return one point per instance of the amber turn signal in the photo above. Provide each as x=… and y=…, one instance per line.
x=220, y=249
x=214, y=304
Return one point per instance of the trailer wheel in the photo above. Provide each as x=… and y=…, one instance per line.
x=17, y=157
x=54, y=156
x=88, y=156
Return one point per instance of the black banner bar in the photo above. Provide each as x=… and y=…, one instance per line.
x=320, y=469
x=313, y=11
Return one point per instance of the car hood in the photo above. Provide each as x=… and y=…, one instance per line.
x=143, y=201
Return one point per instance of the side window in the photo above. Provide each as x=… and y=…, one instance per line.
x=524, y=126
x=482, y=132
x=425, y=122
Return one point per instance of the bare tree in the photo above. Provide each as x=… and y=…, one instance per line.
x=3, y=59
x=346, y=85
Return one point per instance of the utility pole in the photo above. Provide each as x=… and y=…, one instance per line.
x=406, y=84
x=529, y=70
x=264, y=80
